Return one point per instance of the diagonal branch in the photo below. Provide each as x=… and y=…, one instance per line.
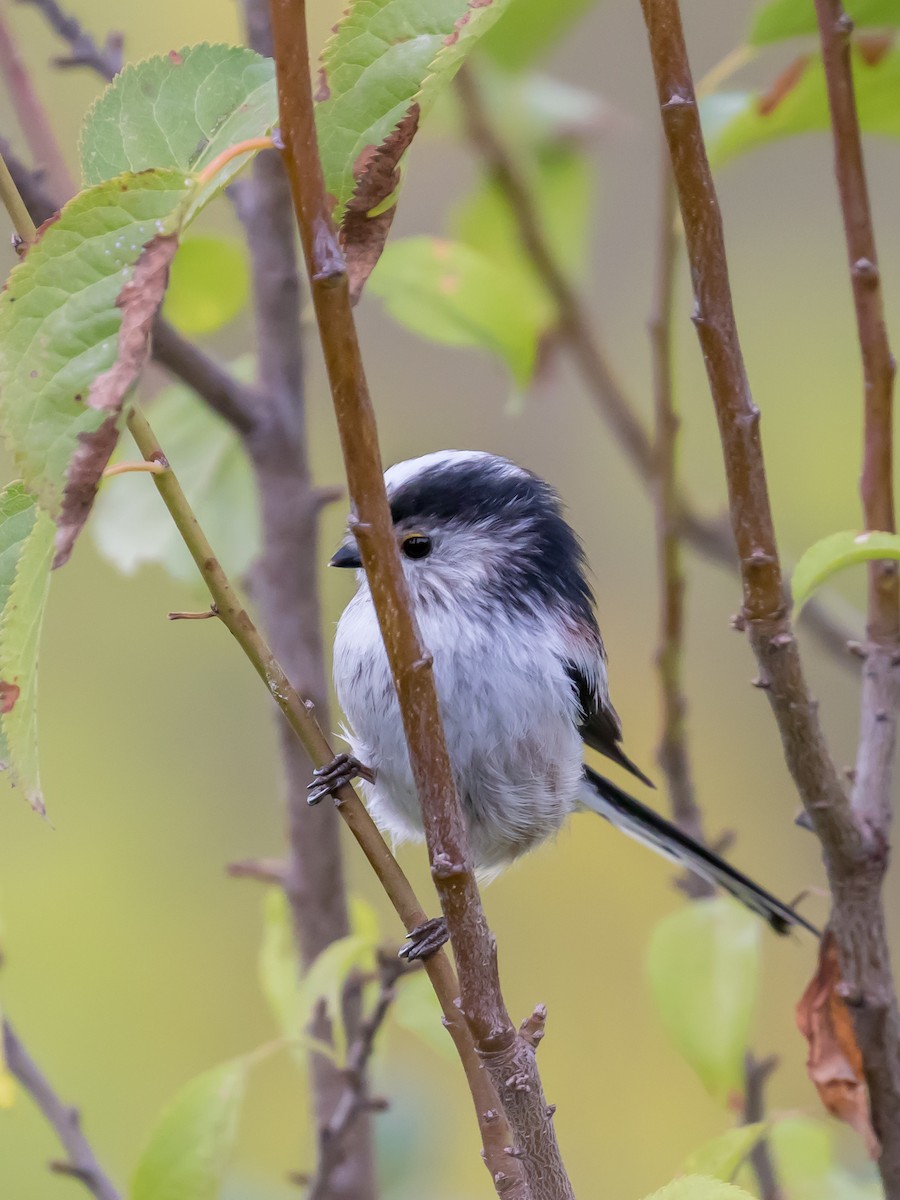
x=84, y=50
x=854, y=854
x=82, y=1163
x=710, y=537
x=508, y=1059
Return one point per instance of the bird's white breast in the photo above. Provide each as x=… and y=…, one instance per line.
x=509, y=714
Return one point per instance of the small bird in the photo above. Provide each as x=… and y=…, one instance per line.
x=498, y=582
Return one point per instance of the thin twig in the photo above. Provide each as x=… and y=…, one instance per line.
x=673, y=752
x=82, y=1163
x=354, y=1099
x=709, y=536
x=301, y=719
x=84, y=50
x=854, y=852
x=508, y=1059
x=756, y=1075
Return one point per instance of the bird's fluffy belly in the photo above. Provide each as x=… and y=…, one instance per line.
x=508, y=714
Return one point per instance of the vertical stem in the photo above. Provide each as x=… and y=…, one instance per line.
x=673, y=753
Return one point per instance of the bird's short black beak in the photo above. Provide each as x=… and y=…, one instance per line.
x=347, y=556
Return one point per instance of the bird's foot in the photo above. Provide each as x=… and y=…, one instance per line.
x=329, y=780
x=426, y=939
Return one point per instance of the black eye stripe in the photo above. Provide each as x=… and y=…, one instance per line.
x=416, y=546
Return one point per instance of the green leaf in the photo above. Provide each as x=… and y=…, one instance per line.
x=180, y=110
x=292, y=1000
x=74, y=328
x=191, y=1145
x=384, y=56
x=561, y=185
x=416, y=1009
x=327, y=977
x=278, y=973
x=208, y=285
x=797, y=103
x=530, y=29
x=26, y=549
x=703, y=966
x=720, y=1157
x=698, y=1187
x=779, y=19
x=836, y=552
x=805, y=1164
x=131, y=526
x=453, y=294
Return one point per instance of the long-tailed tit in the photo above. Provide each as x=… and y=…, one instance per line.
x=498, y=582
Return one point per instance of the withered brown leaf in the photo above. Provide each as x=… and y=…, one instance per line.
x=834, y=1062
x=377, y=176
x=139, y=300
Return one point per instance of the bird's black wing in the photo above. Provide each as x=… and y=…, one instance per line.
x=647, y=826
x=600, y=727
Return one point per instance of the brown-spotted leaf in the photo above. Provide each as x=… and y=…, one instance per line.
x=834, y=1062
x=370, y=212
x=138, y=301
x=74, y=322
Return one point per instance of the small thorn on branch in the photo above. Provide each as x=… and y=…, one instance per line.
x=62, y=1167
x=205, y=615
x=265, y=870
x=532, y=1029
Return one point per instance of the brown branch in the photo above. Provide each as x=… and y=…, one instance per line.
x=82, y=1163
x=508, y=1059
x=710, y=537
x=878, y=1025
x=854, y=854
x=871, y=795
x=756, y=1075
x=84, y=51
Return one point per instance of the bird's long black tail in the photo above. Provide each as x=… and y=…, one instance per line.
x=647, y=826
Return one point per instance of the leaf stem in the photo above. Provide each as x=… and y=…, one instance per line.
x=126, y=468
x=250, y=146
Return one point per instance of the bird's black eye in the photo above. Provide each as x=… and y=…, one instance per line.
x=416, y=545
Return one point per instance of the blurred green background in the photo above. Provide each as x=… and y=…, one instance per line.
x=130, y=958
